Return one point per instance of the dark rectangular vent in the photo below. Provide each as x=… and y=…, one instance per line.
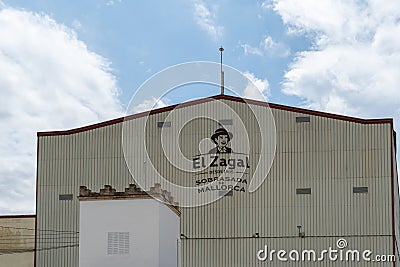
x=360, y=190
x=225, y=193
x=302, y=119
x=163, y=124
x=65, y=197
x=226, y=122
x=303, y=191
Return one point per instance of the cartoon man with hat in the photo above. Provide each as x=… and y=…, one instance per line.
x=221, y=138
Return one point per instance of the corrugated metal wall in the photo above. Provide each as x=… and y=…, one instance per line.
x=396, y=199
x=329, y=156
x=92, y=158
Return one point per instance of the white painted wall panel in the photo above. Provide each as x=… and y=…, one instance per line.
x=153, y=231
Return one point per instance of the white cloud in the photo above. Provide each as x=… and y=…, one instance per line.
x=251, y=50
x=206, y=20
x=268, y=4
x=48, y=80
x=113, y=2
x=148, y=104
x=273, y=48
x=353, y=66
x=267, y=47
x=256, y=88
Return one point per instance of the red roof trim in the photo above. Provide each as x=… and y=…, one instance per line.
x=208, y=99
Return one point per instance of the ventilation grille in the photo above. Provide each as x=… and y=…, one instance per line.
x=65, y=197
x=118, y=243
x=303, y=191
x=163, y=124
x=360, y=190
x=302, y=119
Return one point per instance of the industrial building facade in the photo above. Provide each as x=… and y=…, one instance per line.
x=332, y=185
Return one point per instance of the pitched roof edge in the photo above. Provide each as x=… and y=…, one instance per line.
x=18, y=216
x=217, y=97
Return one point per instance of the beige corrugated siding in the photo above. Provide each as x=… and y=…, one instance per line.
x=329, y=156
x=91, y=158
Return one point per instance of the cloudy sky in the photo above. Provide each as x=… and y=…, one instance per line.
x=66, y=64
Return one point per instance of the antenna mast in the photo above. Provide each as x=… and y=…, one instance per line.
x=221, y=49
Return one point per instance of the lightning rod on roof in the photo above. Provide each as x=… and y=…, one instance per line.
x=221, y=49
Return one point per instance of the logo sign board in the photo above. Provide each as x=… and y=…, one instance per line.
x=187, y=149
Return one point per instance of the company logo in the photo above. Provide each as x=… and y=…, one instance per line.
x=221, y=138
x=189, y=148
x=221, y=169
